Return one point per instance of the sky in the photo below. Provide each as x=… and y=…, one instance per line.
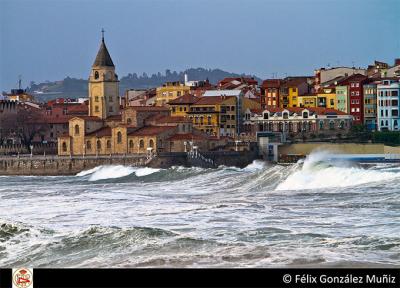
x=51, y=39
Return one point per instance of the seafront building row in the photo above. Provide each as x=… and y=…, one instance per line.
x=181, y=117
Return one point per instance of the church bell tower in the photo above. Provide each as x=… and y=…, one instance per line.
x=103, y=85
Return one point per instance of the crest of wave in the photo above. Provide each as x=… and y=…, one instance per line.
x=116, y=171
x=320, y=171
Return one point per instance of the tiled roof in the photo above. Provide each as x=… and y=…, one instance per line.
x=271, y=83
x=212, y=100
x=89, y=118
x=104, y=131
x=151, y=130
x=185, y=99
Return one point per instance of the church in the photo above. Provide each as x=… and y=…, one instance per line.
x=112, y=129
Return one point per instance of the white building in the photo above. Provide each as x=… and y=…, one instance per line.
x=388, y=105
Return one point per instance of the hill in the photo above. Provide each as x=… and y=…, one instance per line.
x=75, y=88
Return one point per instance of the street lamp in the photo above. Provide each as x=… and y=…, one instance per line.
x=236, y=143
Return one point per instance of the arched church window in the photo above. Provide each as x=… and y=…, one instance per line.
x=119, y=137
x=129, y=121
x=64, y=147
x=108, y=144
x=89, y=145
x=141, y=143
x=98, y=145
x=96, y=75
x=76, y=129
x=151, y=143
x=131, y=144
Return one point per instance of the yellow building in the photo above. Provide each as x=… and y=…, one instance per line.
x=170, y=91
x=327, y=98
x=307, y=101
x=181, y=106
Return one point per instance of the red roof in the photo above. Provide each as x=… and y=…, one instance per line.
x=91, y=118
x=212, y=100
x=105, y=131
x=271, y=83
x=151, y=130
x=246, y=80
x=185, y=99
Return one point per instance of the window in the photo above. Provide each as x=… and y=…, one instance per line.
x=305, y=114
x=341, y=125
x=395, y=102
x=151, y=143
x=98, y=145
x=96, y=98
x=285, y=115
x=108, y=144
x=395, y=93
x=96, y=75
x=76, y=129
x=64, y=147
x=96, y=108
x=130, y=144
x=265, y=115
x=395, y=112
x=233, y=108
x=89, y=145
x=119, y=137
x=129, y=121
x=321, y=125
x=110, y=99
x=332, y=102
x=331, y=125
x=141, y=143
x=110, y=109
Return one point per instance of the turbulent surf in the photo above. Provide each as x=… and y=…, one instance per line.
x=310, y=214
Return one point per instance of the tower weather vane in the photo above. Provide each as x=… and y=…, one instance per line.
x=102, y=34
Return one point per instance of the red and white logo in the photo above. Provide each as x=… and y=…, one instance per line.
x=22, y=278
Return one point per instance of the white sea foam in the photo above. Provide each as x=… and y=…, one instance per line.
x=115, y=171
x=145, y=171
x=87, y=172
x=317, y=172
x=256, y=165
x=110, y=172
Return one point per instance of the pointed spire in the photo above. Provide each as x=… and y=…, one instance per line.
x=103, y=58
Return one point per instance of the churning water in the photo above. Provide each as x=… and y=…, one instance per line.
x=310, y=214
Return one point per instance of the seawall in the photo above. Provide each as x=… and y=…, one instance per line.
x=55, y=166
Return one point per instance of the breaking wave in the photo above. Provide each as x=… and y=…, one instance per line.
x=319, y=171
x=115, y=171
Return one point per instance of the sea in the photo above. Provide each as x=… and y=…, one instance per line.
x=315, y=213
